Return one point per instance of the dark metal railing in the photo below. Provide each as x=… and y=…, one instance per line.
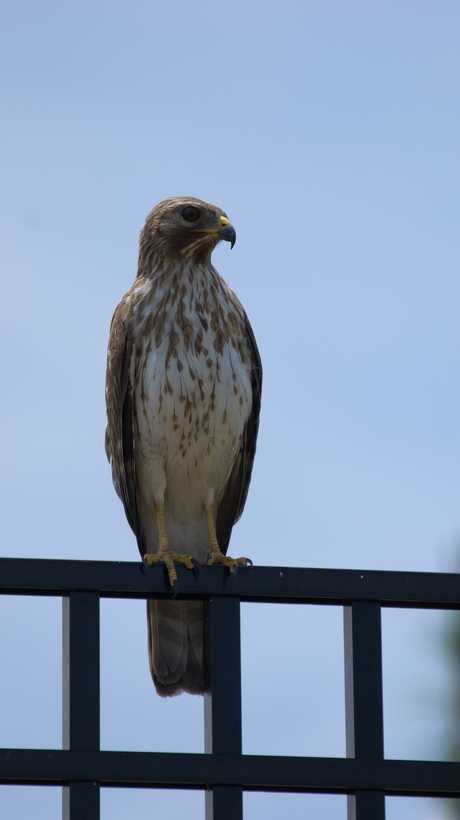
x=223, y=772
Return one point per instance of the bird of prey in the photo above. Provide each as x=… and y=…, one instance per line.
x=183, y=391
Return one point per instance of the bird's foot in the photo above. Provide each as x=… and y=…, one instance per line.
x=169, y=558
x=231, y=563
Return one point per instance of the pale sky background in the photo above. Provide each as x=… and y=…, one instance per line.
x=329, y=133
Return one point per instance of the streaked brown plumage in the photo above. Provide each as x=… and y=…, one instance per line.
x=183, y=397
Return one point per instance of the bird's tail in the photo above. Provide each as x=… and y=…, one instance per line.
x=175, y=635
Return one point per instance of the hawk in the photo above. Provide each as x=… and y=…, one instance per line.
x=183, y=392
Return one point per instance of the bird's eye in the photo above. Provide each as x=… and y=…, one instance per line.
x=190, y=214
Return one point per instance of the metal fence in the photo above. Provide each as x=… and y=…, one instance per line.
x=223, y=772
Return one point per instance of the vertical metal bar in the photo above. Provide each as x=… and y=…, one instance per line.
x=81, y=800
x=366, y=806
x=222, y=699
x=364, y=699
x=80, y=695
x=224, y=803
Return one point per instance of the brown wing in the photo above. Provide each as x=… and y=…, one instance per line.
x=119, y=435
x=232, y=504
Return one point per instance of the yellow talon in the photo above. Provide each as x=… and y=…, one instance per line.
x=215, y=555
x=169, y=558
x=165, y=553
x=218, y=558
x=166, y=556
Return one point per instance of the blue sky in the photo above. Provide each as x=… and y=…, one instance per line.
x=329, y=133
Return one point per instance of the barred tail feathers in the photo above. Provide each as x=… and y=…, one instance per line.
x=175, y=640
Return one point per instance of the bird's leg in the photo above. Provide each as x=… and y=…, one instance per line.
x=165, y=553
x=215, y=556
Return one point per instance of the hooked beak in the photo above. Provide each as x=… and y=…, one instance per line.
x=227, y=231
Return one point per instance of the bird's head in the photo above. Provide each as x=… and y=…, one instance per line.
x=184, y=228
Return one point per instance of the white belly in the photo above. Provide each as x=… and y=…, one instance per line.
x=191, y=410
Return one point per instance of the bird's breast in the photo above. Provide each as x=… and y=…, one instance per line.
x=193, y=391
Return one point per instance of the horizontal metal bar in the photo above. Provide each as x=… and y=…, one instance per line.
x=252, y=772
x=112, y=579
